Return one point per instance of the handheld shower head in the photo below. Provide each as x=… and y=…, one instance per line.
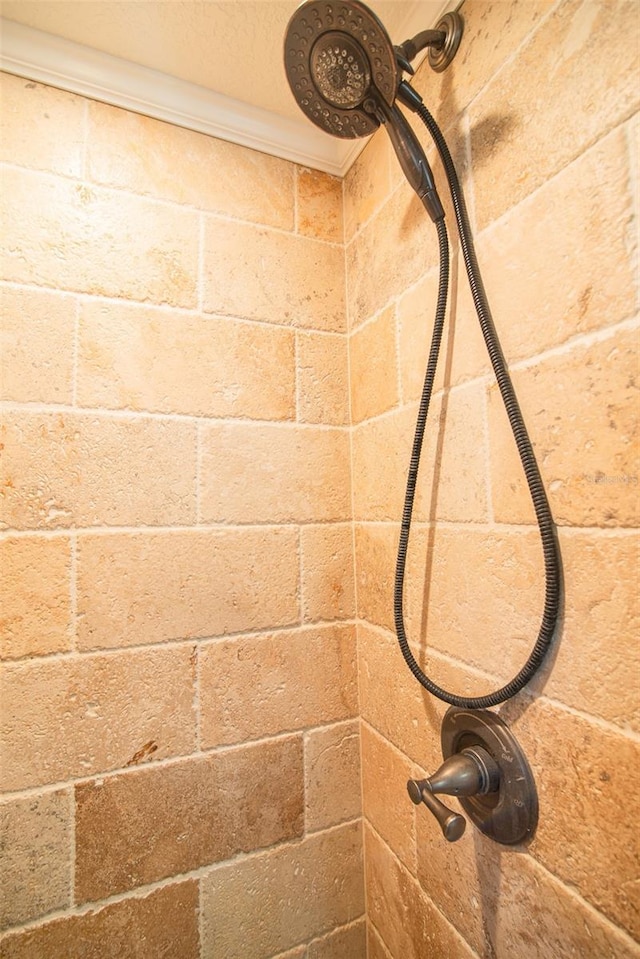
x=338, y=57
x=344, y=74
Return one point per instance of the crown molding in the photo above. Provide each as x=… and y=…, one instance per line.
x=57, y=62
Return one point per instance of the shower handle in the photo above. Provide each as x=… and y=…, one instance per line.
x=471, y=772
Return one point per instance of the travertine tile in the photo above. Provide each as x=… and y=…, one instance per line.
x=262, y=905
x=80, y=469
x=476, y=595
x=327, y=572
x=36, y=346
x=42, y=128
x=35, y=837
x=300, y=678
x=164, y=923
x=105, y=241
x=537, y=305
x=451, y=481
x=413, y=726
x=596, y=669
x=272, y=473
x=505, y=904
x=347, y=943
x=373, y=367
x=576, y=63
x=332, y=775
x=153, y=587
x=386, y=804
x=78, y=716
x=204, y=810
x=407, y=921
x=319, y=205
x=392, y=251
x=376, y=547
x=262, y=274
x=463, y=354
x=381, y=449
x=586, y=777
x=375, y=946
x=323, y=379
x=579, y=407
x=492, y=31
x=143, y=155
x=35, y=596
x=143, y=359
x=366, y=185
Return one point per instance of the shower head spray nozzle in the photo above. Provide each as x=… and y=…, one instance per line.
x=341, y=66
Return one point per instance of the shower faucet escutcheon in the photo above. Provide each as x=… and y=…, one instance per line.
x=486, y=769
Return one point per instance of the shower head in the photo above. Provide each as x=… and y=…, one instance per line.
x=341, y=66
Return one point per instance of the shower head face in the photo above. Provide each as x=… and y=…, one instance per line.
x=336, y=56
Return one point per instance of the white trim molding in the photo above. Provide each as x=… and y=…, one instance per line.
x=52, y=60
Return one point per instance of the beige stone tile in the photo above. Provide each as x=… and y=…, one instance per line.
x=153, y=587
x=381, y=449
x=66, y=469
x=452, y=482
x=405, y=918
x=579, y=407
x=373, y=366
x=35, y=835
x=596, y=668
x=271, y=473
x=42, y=128
x=265, y=904
x=586, y=776
x=262, y=274
x=390, y=253
x=143, y=359
x=327, y=572
x=463, y=354
x=574, y=60
x=386, y=803
x=376, y=547
x=205, y=810
x=70, y=236
x=376, y=947
x=137, y=153
x=164, y=923
x=500, y=900
x=82, y=715
x=538, y=305
x=493, y=30
x=366, y=185
x=36, y=346
x=476, y=595
x=35, y=596
x=319, y=205
x=393, y=702
x=332, y=775
x=323, y=379
x=346, y=943
x=300, y=678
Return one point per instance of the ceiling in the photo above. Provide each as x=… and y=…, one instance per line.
x=211, y=65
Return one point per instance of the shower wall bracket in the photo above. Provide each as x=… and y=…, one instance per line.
x=487, y=771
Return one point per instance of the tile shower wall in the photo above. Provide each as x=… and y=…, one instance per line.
x=179, y=702
x=539, y=108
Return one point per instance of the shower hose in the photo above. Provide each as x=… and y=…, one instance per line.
x=546, y=526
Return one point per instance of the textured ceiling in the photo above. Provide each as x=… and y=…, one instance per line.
x=233, y=47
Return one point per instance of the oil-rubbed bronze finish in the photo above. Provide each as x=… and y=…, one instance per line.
x=488, y=772
x=441, y=55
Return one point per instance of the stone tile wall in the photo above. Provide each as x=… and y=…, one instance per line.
x=207, y=428
x=538, y=108
x=179, y=701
